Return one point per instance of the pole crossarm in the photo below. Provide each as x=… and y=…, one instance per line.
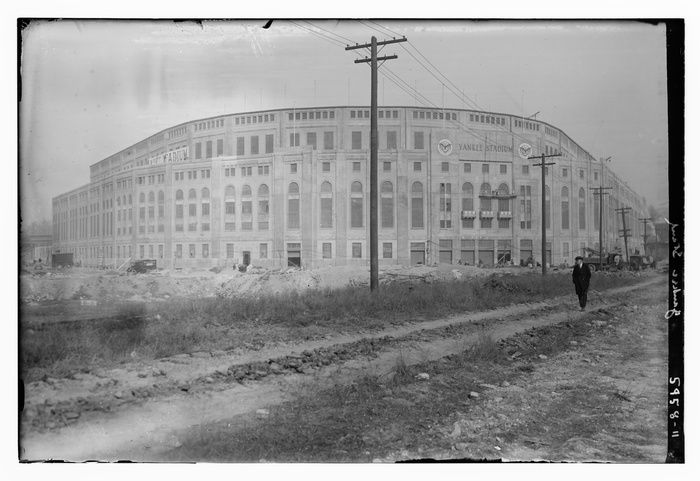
x=378, y=43
x=369, y=60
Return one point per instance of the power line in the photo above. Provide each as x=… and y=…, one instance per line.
x=332, y=33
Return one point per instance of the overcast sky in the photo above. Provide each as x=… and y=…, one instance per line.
x=90, y=89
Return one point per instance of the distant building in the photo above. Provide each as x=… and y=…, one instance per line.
x=35, y=248
x=290, y=187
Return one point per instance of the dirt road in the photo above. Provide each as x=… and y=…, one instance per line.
x=149, y=412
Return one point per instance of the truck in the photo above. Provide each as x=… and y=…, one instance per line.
x=612, y=260
x=62, y=260
x=142, y=266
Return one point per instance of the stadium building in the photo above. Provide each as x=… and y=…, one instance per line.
x=291, y=187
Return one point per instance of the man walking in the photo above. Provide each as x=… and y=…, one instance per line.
x=582, y=277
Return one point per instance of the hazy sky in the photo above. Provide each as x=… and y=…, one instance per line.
x=90, y=89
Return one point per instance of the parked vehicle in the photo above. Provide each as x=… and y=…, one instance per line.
x=142, y=266
x=62, y=260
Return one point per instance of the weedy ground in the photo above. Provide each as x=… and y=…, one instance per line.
x=156, y=330
x=566, y=392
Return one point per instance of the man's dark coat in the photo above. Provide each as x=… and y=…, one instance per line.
x=582, y=277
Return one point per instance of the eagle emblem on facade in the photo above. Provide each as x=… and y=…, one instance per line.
x=525, y=150
x=445, y=147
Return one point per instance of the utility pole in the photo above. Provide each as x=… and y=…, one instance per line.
x=374, y=149
x=645, y=220
x=544, y=165
x=625, y=231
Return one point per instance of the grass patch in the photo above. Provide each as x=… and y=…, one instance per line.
x=188, y=325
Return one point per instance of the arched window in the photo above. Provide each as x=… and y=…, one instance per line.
x=205, y=202
x=503, y=206
x=485, y=202
x=230, y=202
x=547, y=207
x=192, y=194
x=564, y=207
x=467, y=204
x=179, y=195
x=142, y=198
x=326, y=204
x=263, y=207
x=581, y=208
x=293, y=220
x=151, y=197
x=161, y=204
x=387, y=204
x=417, y=205
x=246, y=191
x=356, y=205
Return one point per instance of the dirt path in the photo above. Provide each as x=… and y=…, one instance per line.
x=154, y=417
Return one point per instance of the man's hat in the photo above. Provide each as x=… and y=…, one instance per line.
x=578, y=257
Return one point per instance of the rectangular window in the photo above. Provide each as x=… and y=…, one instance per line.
x=484, y=168
x=581, y=173
x=192, y=250
x=294, y=140
x=209, y=149
x=198, y=150
x=205, y=209
x=328, y=140
x=391, y=140
x=325, y=167
x=240, y=146
x=356, y=140
x=356, y=212
x=246, y=207
x=192, y=210
x=263, y=251
x=229, y=251
x=356, y=166
x=192, y=226
x=269, y=143
x=327, y=250
x=205, y=227
x=445, y=254
x=178, y=251
x=417, y=166
x=311, y=139
x=595, y=175
x=326, y=212
x=293, y=168
x=205, y=250
x=387, y=250
x=254, y=145
x=230, y=226
x=357, y=250
x=503, y=168
x=418, y=141
x=386, y=166
x=526, y=170
x=467, y=167
x=564, y=172
x=445, y=167
x=230, y=207
x=292, y=213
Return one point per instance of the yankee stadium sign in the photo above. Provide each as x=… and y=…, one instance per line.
x=480, y=147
